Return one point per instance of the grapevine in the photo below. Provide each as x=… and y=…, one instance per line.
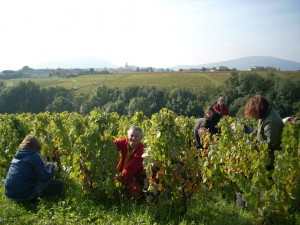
x=83, y=151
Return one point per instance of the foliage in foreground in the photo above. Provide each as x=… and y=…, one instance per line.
x=83, y=150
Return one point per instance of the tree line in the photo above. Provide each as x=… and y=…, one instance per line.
x=284, y=94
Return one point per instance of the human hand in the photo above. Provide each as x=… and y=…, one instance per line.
x=117, y=177
x=253, y=134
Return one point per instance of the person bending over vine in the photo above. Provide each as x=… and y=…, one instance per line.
x=208, y=122
x=28, y=176
x=270, y=125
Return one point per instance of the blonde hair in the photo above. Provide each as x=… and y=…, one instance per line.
x=31, y=141
x=220, y=98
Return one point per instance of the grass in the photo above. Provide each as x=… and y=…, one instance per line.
x=189, y=80
x=86, y=83
x=161, y=80
x=75, y=207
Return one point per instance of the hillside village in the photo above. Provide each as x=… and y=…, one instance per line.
x=29, y=72
x=26, y=71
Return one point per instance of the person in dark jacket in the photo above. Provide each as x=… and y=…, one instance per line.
x=270, y=125
x=28, y=175
x=209, y=121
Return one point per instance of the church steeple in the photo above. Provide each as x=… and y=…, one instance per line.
x=126, y=68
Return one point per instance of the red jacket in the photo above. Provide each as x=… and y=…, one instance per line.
x=135, y=162
x=224, y=111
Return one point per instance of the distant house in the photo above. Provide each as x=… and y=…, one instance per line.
x=8, y=74
x=37, y=73
x=262, y=68
x=194, y=70
x=257, y=68
x=271, y=68
x=128, y=68
x=73, y=72
x=223, y=68
x=8, y=71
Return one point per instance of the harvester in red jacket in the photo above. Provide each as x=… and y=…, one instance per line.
x=131, y=168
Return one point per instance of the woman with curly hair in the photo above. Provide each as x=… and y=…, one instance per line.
x=270, y=125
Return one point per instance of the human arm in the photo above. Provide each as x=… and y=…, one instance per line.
x=133, y=167
x=121, y=144
x=43, y=171
x=197, y=139
x=217, y=108
x=200, y=123
x=253, y=134
x=225, y=111
x=270, y=135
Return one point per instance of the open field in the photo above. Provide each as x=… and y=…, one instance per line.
x=86, y=83
x=195, y=80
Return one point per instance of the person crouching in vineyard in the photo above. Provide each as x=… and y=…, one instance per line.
x=209, y=123
x=28, y=176
x=131, y=168
x=270, y=125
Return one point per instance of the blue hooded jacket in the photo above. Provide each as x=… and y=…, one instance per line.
x=25, y=171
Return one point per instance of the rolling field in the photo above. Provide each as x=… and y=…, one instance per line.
x=86, y=83
x=196, y=80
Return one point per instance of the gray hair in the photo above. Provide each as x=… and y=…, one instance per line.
x=139, y=129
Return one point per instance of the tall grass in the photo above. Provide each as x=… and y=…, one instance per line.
x=75, y=207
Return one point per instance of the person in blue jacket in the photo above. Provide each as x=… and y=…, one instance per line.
x=28, y=175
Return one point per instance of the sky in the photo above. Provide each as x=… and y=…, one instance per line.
x=156, y=33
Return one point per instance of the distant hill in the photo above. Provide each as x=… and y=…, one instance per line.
x=82, y=63
x=241, y=64
x=248, y=62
